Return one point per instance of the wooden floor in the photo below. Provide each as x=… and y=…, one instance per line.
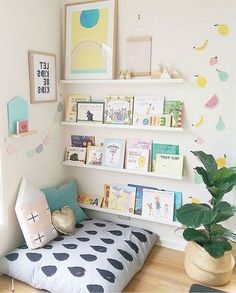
x=163, y=272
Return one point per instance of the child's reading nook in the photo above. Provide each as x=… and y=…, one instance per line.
x=118, y=146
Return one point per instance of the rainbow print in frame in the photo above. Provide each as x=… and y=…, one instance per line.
x=90, y=35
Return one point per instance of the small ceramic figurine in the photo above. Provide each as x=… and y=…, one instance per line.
x=165, y=73
x=122, y=75
x=176, y=74
x=128, y=74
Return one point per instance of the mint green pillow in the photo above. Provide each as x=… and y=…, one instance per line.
x=64, y=195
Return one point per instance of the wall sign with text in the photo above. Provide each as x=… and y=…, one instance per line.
x=42, y=75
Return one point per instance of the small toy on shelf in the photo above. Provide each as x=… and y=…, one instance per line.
x=128, y=75
x=165, y=73
x=176, y=74
x=122, y=75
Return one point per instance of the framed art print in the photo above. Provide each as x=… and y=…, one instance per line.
x=90, y=35
x=90, y=112
x=42, y=76
x=138, y=58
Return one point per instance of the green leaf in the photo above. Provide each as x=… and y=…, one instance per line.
x=207, y=160
x=218, y=231
x=215, y=192
x=206, y=176
x=216, y=248
x=225, y=179
x=193, y=215
x=200, y=236
x=222, y=211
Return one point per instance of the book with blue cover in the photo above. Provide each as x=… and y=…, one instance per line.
x=178, y=203
x=139, y=197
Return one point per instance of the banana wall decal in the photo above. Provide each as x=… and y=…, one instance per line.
x=201, y=47
x=199, y=122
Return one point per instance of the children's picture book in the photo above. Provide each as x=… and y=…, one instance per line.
x=169, y=165
x=21, y=126
x=88, y=199
x=92, y=112
x=94, y=155
x=175, y=108
x=138, y=154
x=122, y=198
x=118, y=110
x=71, y=105
x=158, y=204
x=158, y=148
x=75, y=154
x=139, y=197
x=82, y=141
x=178, y=203
x=147, y=109
x=106, y=195
x=137, y=159
x=114, y=151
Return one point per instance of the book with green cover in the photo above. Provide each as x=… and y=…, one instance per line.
x=158, y=148
x=174, y=108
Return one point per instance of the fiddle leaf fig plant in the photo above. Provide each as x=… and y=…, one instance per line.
x=204, y=221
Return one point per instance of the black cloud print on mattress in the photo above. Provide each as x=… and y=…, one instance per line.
x=101, y=257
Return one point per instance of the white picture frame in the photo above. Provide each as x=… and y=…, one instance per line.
x=42, y=77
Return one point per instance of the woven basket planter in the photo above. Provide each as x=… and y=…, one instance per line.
x=203, y=268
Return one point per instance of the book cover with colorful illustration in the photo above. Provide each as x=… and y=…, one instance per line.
x=139, y=197
x=94, y=155
x=137, y=159
x=118, y=110
x=88, y=199
x=82, y=141
x=147, y=109
x=106, y=196
x=140, y=144
x=175, y=108
x=158, y=204
x=122, y=198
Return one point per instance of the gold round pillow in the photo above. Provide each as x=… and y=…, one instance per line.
x=64, y=220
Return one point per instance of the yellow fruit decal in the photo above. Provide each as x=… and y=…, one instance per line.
x=200, y=122
x=222, y=29
x=201, y=80
x=201, y=47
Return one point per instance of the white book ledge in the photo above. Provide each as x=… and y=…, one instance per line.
x=122, y=81
x=119, y=126
x=125, y=171
x=119, y=213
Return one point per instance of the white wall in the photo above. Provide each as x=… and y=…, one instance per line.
x=27, y=25
x=176, y=27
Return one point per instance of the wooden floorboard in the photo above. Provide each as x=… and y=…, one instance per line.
x=163, y=272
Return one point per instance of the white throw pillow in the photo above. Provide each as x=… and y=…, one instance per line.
x=34, y=216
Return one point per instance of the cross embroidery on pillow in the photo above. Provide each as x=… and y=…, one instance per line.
x=33, y=217
x=39, y=237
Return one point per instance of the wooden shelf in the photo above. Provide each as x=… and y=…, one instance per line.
x=119, y=213
x=134, y=127
x=30, y=132
x=125, y=171
x=122, y=81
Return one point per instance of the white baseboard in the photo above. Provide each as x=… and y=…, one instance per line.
x=176, y=245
